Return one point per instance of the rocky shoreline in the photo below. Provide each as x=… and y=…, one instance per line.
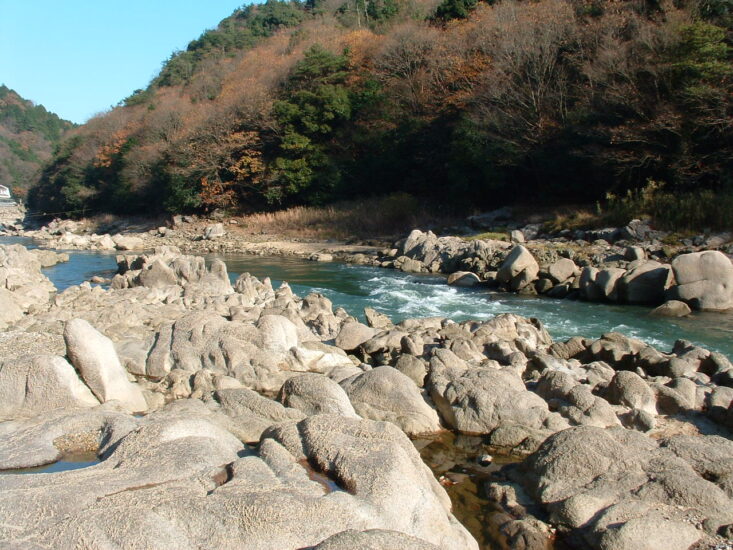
x=229, y=415
x=629, y=265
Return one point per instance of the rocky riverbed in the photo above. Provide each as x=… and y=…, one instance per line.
x=629, y=265
x=229, y=415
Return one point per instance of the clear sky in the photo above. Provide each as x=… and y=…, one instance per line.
x=80, y=57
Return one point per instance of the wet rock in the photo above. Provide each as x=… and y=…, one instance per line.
x=672, y=308
x=384, y=393
x=94, y=356
x=463, y=279
x=704, y=280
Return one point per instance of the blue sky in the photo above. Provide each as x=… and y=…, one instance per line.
x=79, y=57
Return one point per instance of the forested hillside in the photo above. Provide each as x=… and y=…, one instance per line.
x=28, y=135
x=464, y=102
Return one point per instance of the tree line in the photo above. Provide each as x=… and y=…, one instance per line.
x=466, y=103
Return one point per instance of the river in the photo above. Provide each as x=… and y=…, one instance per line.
x=403, y=296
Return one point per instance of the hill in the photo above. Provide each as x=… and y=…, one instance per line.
x=461, y=102
x=28, y=136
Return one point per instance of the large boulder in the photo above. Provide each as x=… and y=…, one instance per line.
x=645, y=284
x=519, y=269
x=352, y=335
x=94, y=356
x=179, y=480
x=384, y=393
x=704, y=280
x=315, y=393
x=477, y=400
x=35, y=384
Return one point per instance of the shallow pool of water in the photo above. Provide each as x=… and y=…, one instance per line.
x=68, y=462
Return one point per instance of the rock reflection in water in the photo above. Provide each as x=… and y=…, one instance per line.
x=69, y=462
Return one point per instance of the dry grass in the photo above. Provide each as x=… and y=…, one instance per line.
x=386, y=217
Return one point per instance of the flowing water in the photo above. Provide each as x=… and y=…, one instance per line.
x=403, y=296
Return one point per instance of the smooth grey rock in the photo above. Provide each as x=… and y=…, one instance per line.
x=704, y=280
x=94, y=356
x=352, y=335
x=645, y=283
x=384, y=393
x=672, y=308
x=519, y=269
x=40, y=383
x=374, y=539
x=562, y=270
x=278, y=333
x=479, y=400
x=629, y=389
x=316, y=394
x=214, y=231
x=463, y=279
x=413, y=368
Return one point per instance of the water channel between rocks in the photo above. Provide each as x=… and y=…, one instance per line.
x=403, y=296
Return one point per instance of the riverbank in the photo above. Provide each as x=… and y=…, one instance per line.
x=207, y=357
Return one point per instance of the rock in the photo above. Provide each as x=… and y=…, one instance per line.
x=316, y=394
x=38, y=383
x=214, y=231
x=127, y=242
x=645, y=283
x=644, y=527
x=519, y=269
x=248, y=414
x=413, y=368
x=479, y=400
x=562, y=270
x=629, y=389
x=384, y=393
x=374, y=539
x=704, y=280
x=278, y=333
x=377, y=320
x=634, y=253
x=606, y=281
x=672, y=308
x=516, y=236
x=10, y=311
x=463, y=279
x=352, y=335
x=94, y=356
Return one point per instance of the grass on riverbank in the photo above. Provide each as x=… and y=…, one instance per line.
x=389, y=217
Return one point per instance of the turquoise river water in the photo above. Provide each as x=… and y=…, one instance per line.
x=403, y=296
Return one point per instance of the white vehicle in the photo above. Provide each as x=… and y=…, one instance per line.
x=4, y=192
